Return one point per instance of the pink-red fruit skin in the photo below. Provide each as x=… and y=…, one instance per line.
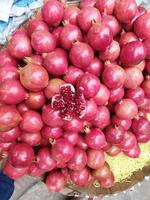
x=55, y=181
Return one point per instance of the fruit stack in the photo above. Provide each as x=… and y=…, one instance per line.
x=75, y=96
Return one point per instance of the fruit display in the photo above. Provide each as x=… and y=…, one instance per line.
x=75, y=95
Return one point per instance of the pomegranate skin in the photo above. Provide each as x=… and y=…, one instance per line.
x=90, y=83
x=116, y=94
x=36, y=25
x=8, y=72
x=33, y=139
x=99, y=37
x=140, y=126
x=102, y=118
x=143, y=138
x=83, y=52
x=53, y=87
x=56, y=33
x=102, y=96
x=114, y=135
x=48, y=132
x=136, y=95
x=140, y=66
x=56, y=62
x=86, y=16
x=52, y=12
x=82, y=143
x=34, y=170
x=133, y=53
x=127, y=37
x=112, y=22
x=126, y=109
x=34, y=77
x=102, y=172
x=105, y=6
x=22, y=107
x=51, y=117
x=13, y=172
x=45, y=160
x=70, y=14
x=125, y=10
x=35, y=100
x=95, y=67
x=21, y=155
x=12, y=92
x=111, y=53
x=95, y=139
x=146, y=87
x=116, y=73
x=128, y=141
x=133, y=152
x=142, y=26
x=55, y=181
x=72, y=137
x=19, y=46
x=125, y=123
x=34, y=59
x=90, y=110
x=95, y=158
x=5, y=146
x=107, y=182
x=69, y=34
x=7, y=123
x=80, y=177
x=134, y=78
x=146, y=42
x=78, y=160
x=73, y=75
x=32, y=121
x=43, y=41
x=87, y=3
x=62, y=150
x=6, y=59
x=11, y=135
x=114, y=150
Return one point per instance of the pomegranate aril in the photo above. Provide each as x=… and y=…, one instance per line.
x=69, y=102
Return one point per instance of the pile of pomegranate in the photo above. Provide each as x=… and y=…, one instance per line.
x=75, y=86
